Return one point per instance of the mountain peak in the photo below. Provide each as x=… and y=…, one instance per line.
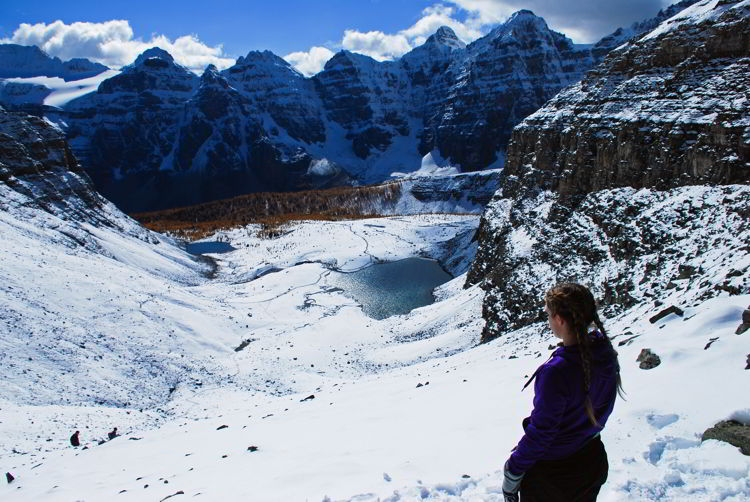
x=522, y=21
x=445, y=36
x=154, y=53
x=525, y=17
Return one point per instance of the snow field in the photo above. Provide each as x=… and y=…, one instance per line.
x=371, y=432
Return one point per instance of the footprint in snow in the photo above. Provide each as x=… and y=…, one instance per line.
x=661, y=421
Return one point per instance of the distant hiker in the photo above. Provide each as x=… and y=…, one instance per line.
x=112, y=434
x=74, y=439
x=9, y=477
x=561, y=456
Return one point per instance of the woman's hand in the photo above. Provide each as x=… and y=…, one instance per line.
x=511, y=485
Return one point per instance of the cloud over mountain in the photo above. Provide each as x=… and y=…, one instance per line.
x=113, y=44
x=585, y=21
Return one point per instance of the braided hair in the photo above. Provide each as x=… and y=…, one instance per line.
x=576, y=305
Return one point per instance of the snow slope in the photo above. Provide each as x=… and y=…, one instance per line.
x=58, y=91
x=371, y=432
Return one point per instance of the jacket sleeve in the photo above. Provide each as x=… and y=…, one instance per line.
x=551, y=396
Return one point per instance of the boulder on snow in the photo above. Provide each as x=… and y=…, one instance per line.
x=745, y=322
x=664, y=313
x=648, y=359
x=732, y=432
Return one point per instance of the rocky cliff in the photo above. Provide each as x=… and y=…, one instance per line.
x=38, y=166
x=668, y=110
x=42, y=183
x=630, y=180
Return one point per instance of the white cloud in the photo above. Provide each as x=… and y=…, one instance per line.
x=584, y=21
x=441, y=15
x=311, y=62
x=376, y=44
x=112, y=43
x=384, y=46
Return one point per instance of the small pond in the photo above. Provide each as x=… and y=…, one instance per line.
x=209, y=247
x=398, y=287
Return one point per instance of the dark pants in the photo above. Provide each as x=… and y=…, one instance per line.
x=576, y=478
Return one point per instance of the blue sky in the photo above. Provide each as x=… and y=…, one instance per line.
x=304, y=32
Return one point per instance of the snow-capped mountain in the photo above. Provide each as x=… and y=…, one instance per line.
x=150, y=137
x=615, y=179
x=18, y=61
x=367, y=119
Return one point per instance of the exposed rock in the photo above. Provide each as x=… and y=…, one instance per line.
x=661, y=112
x=180, y=492
x=648, y=360
x=664, y=313
x=614, y=241
x=747, y=366
x=732, y=432
x=710, y=342
x=37, y=163
x=742, y=328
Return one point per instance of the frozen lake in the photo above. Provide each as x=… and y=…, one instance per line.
x=392, y=288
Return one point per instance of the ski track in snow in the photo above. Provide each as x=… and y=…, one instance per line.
x=407, y=408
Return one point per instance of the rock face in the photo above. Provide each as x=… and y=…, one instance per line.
x=627, y=245
x=37, y=164
x=597, y=180
x=732, y=432
x=478, y=97
x=664, y=111
x=41, y=181
x=31, y=61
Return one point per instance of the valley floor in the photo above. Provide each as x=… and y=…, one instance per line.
x=195, y=366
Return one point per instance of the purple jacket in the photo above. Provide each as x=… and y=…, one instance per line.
x=558, y=425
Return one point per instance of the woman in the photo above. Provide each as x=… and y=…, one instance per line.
x=560, y=456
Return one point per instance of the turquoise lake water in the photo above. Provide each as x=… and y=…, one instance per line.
x=387, y=289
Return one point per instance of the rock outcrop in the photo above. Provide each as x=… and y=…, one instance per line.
x=732, y=432
x=648, y=360
x=667, y=110
x=598, y=186
x=38, y=166
x=626, y=244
